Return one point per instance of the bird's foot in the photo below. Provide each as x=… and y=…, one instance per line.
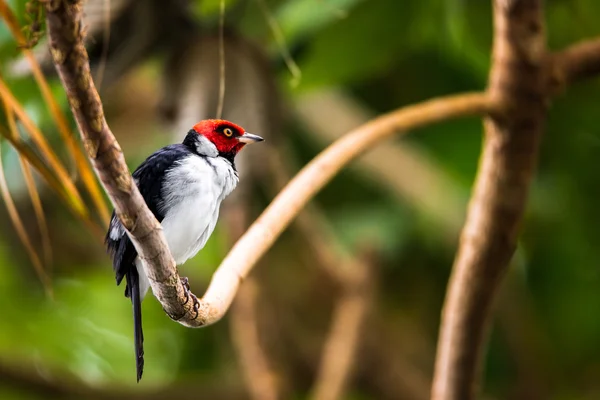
x=188, y=294
x=186, y=283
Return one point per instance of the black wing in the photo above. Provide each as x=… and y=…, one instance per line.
x=148, y=178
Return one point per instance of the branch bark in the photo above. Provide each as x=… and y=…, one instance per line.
x=507, y=166
x=516, y=98
x=64, y=22
x=71, y=60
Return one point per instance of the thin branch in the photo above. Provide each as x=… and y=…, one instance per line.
x=337, y=361
x=70, y=57
x=351, y=308
x=38, y=211
x=345, y=332
x=221, y=101
x=422, y=188
x=106, y=20
x=284, y=50
x=507, y=166
x=36, y=202
x=316, y=174
x=576, y=62
x=44, y=147
x=71, y=60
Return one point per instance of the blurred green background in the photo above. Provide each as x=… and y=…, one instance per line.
x=357, y=58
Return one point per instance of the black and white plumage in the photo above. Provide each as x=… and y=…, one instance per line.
x=183, y=185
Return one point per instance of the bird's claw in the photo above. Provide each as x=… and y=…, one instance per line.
x=186, y=289
x=187, y=292
x=196, y=304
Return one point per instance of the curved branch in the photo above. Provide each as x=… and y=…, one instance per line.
x=316, y=174
x=507, y=166
x=71, y=60
x=422, y=188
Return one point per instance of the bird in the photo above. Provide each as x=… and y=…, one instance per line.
x=183, y=185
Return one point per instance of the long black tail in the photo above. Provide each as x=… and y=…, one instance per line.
x=133, y=283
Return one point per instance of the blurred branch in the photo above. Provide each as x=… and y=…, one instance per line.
x=48, y=385
x=394, y=376
x=33, y=192
x=576, y=62
x=44, y=148
x=344, y=337
x=70, y=57
x=354, y=277
x=56, y=184
x=22, y=233
x=260, y=377
x=38, y=210
x=507, y=165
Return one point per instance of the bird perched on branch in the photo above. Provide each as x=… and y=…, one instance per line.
x=183, y=185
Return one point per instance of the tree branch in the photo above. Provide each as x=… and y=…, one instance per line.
x=577, y=62
x=72, y=63
x=508, y=162
x=422, y=188
x=71, y=60
x=316, y=174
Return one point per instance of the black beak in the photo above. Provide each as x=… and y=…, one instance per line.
x=249, y=138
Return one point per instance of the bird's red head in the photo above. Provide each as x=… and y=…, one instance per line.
x=228, y=137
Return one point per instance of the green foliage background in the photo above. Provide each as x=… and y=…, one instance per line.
x=387, y=53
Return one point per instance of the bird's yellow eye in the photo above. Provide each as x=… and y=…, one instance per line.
x=228, y=132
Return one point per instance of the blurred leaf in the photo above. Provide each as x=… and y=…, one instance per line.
x=44, y=147
x=88, y=329
x=382, y=225
x=22, y=233
x=345, y=52
x=81, y=161
x=301, y=18
x=39, y=212
x=208, y=8
x=33, y=193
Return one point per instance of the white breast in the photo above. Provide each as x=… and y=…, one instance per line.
x=195, y=189
x=192, y=196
